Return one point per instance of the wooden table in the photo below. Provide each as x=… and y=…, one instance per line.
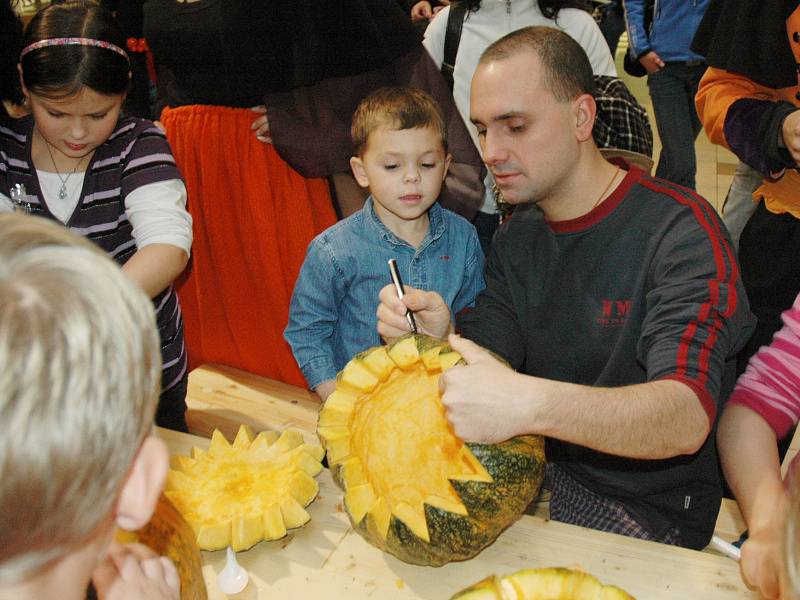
x=327, y=559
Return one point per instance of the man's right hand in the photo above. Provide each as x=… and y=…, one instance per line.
x=431, y=313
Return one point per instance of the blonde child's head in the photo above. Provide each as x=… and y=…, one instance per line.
x=396, y=108
x=79, y=381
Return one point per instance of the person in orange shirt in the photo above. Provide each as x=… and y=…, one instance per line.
x=749, y=102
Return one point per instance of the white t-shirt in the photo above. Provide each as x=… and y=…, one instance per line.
x=495, y=19
x=157, y=211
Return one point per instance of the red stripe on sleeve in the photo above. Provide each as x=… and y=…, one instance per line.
x=727, y=271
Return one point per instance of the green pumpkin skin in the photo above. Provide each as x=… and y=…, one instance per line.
x=517, y=470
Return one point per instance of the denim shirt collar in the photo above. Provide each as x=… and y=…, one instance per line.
x=436, y=225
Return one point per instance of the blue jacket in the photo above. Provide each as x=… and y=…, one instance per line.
x=332, y=314
x=670, y=35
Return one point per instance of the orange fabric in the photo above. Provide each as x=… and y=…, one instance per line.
x=254, y=217
x=720, y=88
x=781, y=196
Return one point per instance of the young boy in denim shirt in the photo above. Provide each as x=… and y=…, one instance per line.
x=401, y=144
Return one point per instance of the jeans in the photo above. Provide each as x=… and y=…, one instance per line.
x=672, y=90
x=739, y=206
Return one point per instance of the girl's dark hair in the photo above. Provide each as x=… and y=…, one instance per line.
x=549, y=8
x=61, y=71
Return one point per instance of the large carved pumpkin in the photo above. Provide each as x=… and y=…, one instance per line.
x=412, y=487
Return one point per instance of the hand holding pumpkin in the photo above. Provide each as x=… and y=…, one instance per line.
x=761, y=564
x=134, y=572
x=430, y=311
x=483, y=397
x=761, y=561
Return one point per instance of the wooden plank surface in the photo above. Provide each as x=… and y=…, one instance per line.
x=222, y=397
x=327, y=559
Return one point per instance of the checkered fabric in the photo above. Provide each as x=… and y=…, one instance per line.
x=571, y=502
x=621, y=122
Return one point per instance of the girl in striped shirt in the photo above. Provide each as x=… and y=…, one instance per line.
x=110, y=178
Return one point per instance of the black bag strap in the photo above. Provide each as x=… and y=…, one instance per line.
x=455, y=20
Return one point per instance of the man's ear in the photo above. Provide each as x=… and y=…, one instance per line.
x=359, y=172
x=141, y=490
x=585, y=110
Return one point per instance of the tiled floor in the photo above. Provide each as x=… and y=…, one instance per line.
x=715, y=164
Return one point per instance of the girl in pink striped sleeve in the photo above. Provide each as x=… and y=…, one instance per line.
x=763, y=408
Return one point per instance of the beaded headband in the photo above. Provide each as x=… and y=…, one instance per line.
x=74, y=41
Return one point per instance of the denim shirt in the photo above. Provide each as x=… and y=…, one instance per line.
x=332, y=316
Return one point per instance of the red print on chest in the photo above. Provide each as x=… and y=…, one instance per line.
x=614, y=313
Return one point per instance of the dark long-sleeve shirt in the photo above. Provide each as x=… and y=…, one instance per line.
x=645, y=287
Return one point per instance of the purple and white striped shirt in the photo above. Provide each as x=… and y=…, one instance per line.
x=135, y=154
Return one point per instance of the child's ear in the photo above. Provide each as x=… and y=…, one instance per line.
x=447, y=160
x=359, y=172
x=142, y=488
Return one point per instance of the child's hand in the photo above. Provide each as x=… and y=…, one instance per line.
x=134, y=572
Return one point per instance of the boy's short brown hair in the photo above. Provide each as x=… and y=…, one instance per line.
x=80, y=378
x=398, y=108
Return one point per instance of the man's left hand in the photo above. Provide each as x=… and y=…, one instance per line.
x=483, y=399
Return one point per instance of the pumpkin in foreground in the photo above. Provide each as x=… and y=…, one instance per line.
x=168, y=534
x=543, y=584
x=412, y=488
x=254, y=489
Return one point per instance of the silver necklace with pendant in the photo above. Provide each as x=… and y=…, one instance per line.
x=62, y=191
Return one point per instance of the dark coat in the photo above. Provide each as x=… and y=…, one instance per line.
x=748, y=37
